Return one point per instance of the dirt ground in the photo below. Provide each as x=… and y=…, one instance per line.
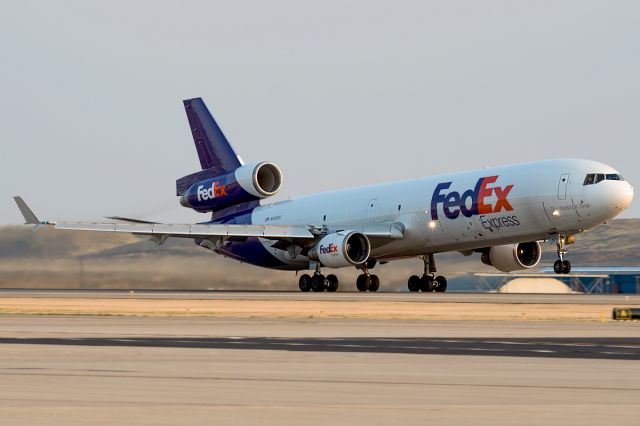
x=307, y=309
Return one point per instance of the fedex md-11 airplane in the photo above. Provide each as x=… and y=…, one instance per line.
x=501, y=212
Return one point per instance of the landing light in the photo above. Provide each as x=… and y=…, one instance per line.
x=432, y=224
x=556, y=212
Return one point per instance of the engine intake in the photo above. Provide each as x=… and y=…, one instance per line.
x=340, y=249
x=513, y=257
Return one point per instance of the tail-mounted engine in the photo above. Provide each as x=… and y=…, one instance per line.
x=512, y=257
x=204, y=193
x=344, y=248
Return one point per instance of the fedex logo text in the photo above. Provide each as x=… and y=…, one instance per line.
x=453, y=203
x=331, y=248
x=214, y=191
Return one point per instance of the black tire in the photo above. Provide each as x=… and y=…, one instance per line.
x=426, y=283
x=558, y=267
x=414, y=283
x=440, y=284
x=304, y=283
x=317, y=283
x=363, y=282
x=332, y=283
x=374, y=285
x=566, y=266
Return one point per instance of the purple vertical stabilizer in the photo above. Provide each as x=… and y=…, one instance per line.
x=214, y=150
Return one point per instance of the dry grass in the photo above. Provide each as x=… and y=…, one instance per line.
x=376, y=310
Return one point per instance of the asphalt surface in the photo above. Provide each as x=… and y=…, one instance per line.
x=143, y=370
x=339, y=296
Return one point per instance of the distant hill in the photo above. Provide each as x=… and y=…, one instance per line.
x=66, y=259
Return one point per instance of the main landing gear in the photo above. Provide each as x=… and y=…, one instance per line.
x=562, y=266
x=368, y=281
x=318, y=282
x=428, y=282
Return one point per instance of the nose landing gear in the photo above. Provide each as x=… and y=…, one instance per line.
x=428, y=282
x=562, y=266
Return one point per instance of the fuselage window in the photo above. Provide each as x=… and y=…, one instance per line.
x=589, y=179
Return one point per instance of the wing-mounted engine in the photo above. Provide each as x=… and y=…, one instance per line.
x=205, y=192
x=513, y=257
x=340, y=249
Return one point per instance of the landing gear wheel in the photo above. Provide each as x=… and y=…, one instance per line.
x=363, y=282
x=426, y=283
x=562, y=266
x=558, y=267
x=332, y=283
x=440, y=284
x=414, y=283
x=304, y=283
x=317, y=283
x=374, y=285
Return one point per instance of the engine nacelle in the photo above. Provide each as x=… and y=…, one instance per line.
x=340, y=249
x=250, y=182
x=261, y=180
x=512, y=257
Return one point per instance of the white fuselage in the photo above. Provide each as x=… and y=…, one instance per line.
x=526, y=202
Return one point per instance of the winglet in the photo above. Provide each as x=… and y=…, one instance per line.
x=29, y=217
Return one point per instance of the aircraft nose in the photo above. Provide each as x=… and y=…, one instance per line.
x=621, y=196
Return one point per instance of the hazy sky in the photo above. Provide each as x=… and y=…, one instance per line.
x=336, y=93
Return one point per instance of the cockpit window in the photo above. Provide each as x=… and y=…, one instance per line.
x=593, y=178
x=614, y=176
x=589, y=179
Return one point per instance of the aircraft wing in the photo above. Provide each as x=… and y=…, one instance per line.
x=165, y=230
x=393, y=231
x=161, y=231
x=194, y=230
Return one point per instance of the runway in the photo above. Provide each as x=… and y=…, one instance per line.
x=104, y=370
x=633, y=299
x=173, y=358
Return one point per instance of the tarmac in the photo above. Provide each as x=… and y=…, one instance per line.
x=183, y=370
x=339, y=296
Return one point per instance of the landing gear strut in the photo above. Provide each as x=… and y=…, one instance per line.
x=562, y=266
x=428, y=282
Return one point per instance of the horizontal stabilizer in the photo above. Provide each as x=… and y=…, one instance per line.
x=127, y=219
